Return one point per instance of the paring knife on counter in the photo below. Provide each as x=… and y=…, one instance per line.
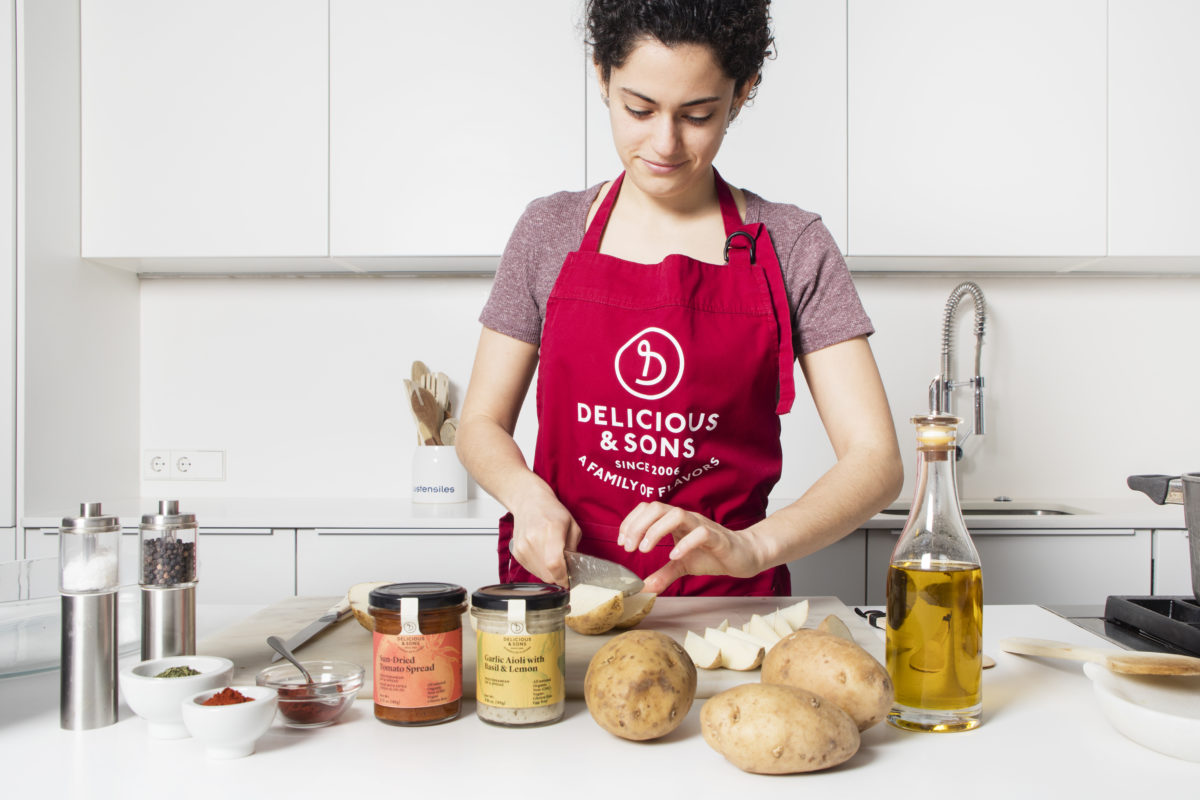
x=583, y=568
x=334, y=615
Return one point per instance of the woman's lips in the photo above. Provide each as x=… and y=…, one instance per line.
x=658, y=168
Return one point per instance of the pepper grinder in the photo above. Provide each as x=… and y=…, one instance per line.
x=88, y=576
x=168, y=582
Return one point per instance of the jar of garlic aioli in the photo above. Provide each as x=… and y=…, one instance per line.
x=520, y=656
x=417, y=652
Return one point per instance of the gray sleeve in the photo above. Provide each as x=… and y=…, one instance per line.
x=511, y=308
x=825, y=306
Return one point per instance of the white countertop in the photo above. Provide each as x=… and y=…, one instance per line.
x=480, y=514
x=1042, y=735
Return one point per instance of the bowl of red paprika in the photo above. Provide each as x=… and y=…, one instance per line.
x=334, y=686
x=229, y=722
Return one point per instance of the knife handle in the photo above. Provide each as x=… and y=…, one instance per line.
x=339, y=610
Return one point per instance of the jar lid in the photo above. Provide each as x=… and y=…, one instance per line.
x=537, y=596
x=90, y=520
x=429, y=595
x=168, y=516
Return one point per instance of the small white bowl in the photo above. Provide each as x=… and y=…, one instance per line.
x=230, y=731
x=157, y=700
x=1158, y=712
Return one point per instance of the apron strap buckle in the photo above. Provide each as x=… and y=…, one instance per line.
x=729, y=242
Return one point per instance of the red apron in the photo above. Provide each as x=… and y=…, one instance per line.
x=664, y=382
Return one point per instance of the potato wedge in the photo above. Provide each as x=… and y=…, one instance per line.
x=594, y=609
x=635, y=609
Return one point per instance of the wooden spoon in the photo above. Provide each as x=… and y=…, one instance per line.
x=428, y=414
x=1126, y=662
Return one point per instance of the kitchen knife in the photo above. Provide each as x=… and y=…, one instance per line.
x=334, y=615
x=599, y=572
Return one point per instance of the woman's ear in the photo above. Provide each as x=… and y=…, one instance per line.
x=741, y=96
x=600, y=80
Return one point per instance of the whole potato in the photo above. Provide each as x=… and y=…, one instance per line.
x=776, y=730
x=834, y=668
x=640, y=685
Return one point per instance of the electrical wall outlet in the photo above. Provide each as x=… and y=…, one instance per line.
x=156, y=465
x=183, y=465
x=197, y=465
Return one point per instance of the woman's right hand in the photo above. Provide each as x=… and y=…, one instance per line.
x=542, y=529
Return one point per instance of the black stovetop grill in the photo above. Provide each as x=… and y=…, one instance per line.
x=1171, y=620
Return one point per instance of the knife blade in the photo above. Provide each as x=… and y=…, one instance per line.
x=336, y=613
x=582, y=568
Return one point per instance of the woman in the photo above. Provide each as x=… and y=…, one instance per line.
x=665, y=327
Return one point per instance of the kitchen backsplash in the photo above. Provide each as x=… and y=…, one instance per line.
x=299, y=381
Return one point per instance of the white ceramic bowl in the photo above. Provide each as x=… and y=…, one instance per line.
x=157, y=700
x=1158, y=712
x=230, y=731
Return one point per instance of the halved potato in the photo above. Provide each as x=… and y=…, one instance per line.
x=594, y=609
x=636, y=609
x=736, y=654
x=360, y=599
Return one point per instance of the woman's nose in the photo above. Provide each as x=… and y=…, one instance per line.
x=666, y=136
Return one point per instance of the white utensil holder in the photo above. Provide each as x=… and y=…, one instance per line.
x=437, y=475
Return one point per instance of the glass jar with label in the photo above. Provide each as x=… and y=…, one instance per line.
x=417, y=663
x=520, y=655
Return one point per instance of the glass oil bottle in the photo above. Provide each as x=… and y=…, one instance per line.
x=935, y=597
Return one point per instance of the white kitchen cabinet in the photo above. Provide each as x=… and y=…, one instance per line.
x=330, y=561
x=236, y=565
x=1153, y=126
x=205, y=128
x=789, y=144
x=1061, y=566
x=837, y=570
x=446, y=119
x=977, y=129
x=8, y=544
x=1172, y=563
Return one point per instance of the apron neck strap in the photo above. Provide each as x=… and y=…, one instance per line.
x=595, y=231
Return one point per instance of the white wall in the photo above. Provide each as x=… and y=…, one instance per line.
x=300, y=380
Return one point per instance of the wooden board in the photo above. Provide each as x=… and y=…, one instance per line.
x=245, y=643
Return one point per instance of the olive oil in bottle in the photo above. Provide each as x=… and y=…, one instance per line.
x=935, y=598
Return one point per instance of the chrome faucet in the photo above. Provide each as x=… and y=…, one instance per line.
x=941, y=389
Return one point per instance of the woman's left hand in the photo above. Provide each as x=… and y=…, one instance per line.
x=702, y=547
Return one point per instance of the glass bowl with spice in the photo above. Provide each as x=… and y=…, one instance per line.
x=154, y=689
x=317, y=704
x=231, y=721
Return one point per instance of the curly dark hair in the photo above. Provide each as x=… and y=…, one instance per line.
x=737, y=31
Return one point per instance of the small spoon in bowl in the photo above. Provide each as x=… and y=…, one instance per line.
x=281, y=648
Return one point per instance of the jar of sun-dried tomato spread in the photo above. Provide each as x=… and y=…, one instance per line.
x=418, y=652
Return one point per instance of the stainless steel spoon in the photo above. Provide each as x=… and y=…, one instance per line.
x=281, y=648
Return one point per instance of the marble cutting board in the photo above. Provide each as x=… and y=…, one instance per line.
x=245, y=643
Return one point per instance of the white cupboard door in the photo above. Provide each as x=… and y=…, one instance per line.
x=8, y=273
x=1154, y=125
x=245, y=565
x=836, y=570
x=446, y=120
x=205, y=128
x=1172, y=563
x=1065, y=567
x=331, y=561
x=977, y=129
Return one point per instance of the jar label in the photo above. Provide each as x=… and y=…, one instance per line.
x=520, y=671
x=418, y=671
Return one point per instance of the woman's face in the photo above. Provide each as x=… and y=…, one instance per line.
x=669, y=107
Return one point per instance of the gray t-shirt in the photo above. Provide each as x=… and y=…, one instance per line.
x=824, y=305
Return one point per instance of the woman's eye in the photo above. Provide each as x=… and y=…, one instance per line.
x=699, y=120
x=637, y=113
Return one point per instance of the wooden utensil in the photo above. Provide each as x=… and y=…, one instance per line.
x=1126, y=662
x=425, y=434
x=449, y=431
x=429, y=415
x=419, y=371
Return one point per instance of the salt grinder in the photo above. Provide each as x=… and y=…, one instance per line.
x=88, y=578
x=168, y=582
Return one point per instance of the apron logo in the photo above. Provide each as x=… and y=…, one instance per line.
x=650, y=365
